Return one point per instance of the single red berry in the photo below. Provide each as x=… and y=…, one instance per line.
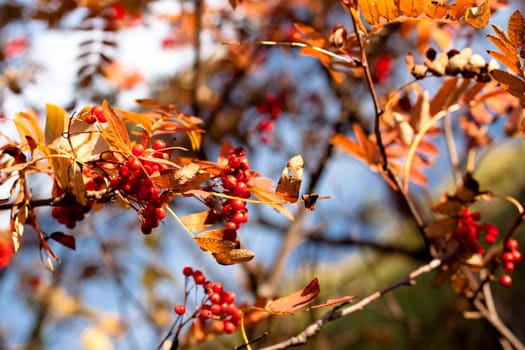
x=146, y=228
x=232, y=225
x=90, y=119
x=199, y=277
x=265, y=125
x=180, y=309
x=217, y=287
x=508, y=256
x=234, y=161
x=516, y=255
x=215, y=309
x=490, y=239
x=161, y=213
x=505, y=280
x=187, y=271
x=134, y=164
x=158, y=145
x=228, y=297
x=137, y=150
x=229, y=327
x=508, y=266
x=98, y=113
x=215, y=298
x=205, y=314
x=512, y=244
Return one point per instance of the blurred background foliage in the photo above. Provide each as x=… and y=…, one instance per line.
x=117, y=290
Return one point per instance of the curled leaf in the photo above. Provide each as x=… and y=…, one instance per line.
x=290, y=181
x=65, y=239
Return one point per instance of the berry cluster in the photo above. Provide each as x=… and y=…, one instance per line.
x=270, y=110
x=133, y=181
x=508, y=258
x=96, y=114
x=69, y=211
x=217, y=304
x=235, y=178
x=469, y=229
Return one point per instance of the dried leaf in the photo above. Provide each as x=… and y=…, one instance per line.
x=234, y=256
x=199, y=221
x=217, y=240
x=290, y=181
x=387, y=9
x=331, y=302
x=516, y=28
x=262, y=189
x=310, y=200
x=440, y=227
x=289, y=304
x=65, y=239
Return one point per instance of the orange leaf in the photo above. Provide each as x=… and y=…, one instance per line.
x=199, y=221
x=411, y=8
x=115, y=134
x=289, y=304
x=216, y=241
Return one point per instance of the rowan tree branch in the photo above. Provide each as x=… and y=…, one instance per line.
x=339, y=312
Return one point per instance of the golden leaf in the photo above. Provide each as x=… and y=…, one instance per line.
x=56, y=123
x=411, y=8
x=478, y=17
x=369, y=10
x=199, y=221
x=290, y=181
x=387, y=9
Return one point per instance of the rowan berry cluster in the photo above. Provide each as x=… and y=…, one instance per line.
x=270, y=110
x=469, y=229
x=235, y=178
x=133, y=182
x=96, y=114
x=510, y=255
x=69, y=211
x=217, y=304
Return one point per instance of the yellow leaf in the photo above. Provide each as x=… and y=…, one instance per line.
x=116, y=134
x=435, y=9
x=56, y=123
x=199, y=221
x=478, y=17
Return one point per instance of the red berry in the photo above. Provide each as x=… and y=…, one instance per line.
x=180, y=309
x=232, y=225
x=505, y=280
x=161, y=213
x=508, y=266
x=516, y=255
x=215, y=309
x=98, y=113
x=137, y=150
x=229, y=327
x=146, y=228
x=229, y=182
x=217, y=287
x=490, y=239
x=199, y=277
x=512, y=244
x=215, y=298
x=134, y=164
x=158, y=145
x=265, y=125
x=187, y=271
x=90, y=119
x=228, y=297
x=508, y=256
x=205, y=314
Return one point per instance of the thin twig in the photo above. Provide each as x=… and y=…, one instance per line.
x=337, y=313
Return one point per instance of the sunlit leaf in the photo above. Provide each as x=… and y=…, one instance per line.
x=234, y=256
x=197, y=222
x=290, y=181
x=216, y=240
x=56, y=123
x=335, y=301
x=411, y=8
x=479, y=16
x=516, y=28
x=289, y=304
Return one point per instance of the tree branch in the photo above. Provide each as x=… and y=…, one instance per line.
x=337, y=313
